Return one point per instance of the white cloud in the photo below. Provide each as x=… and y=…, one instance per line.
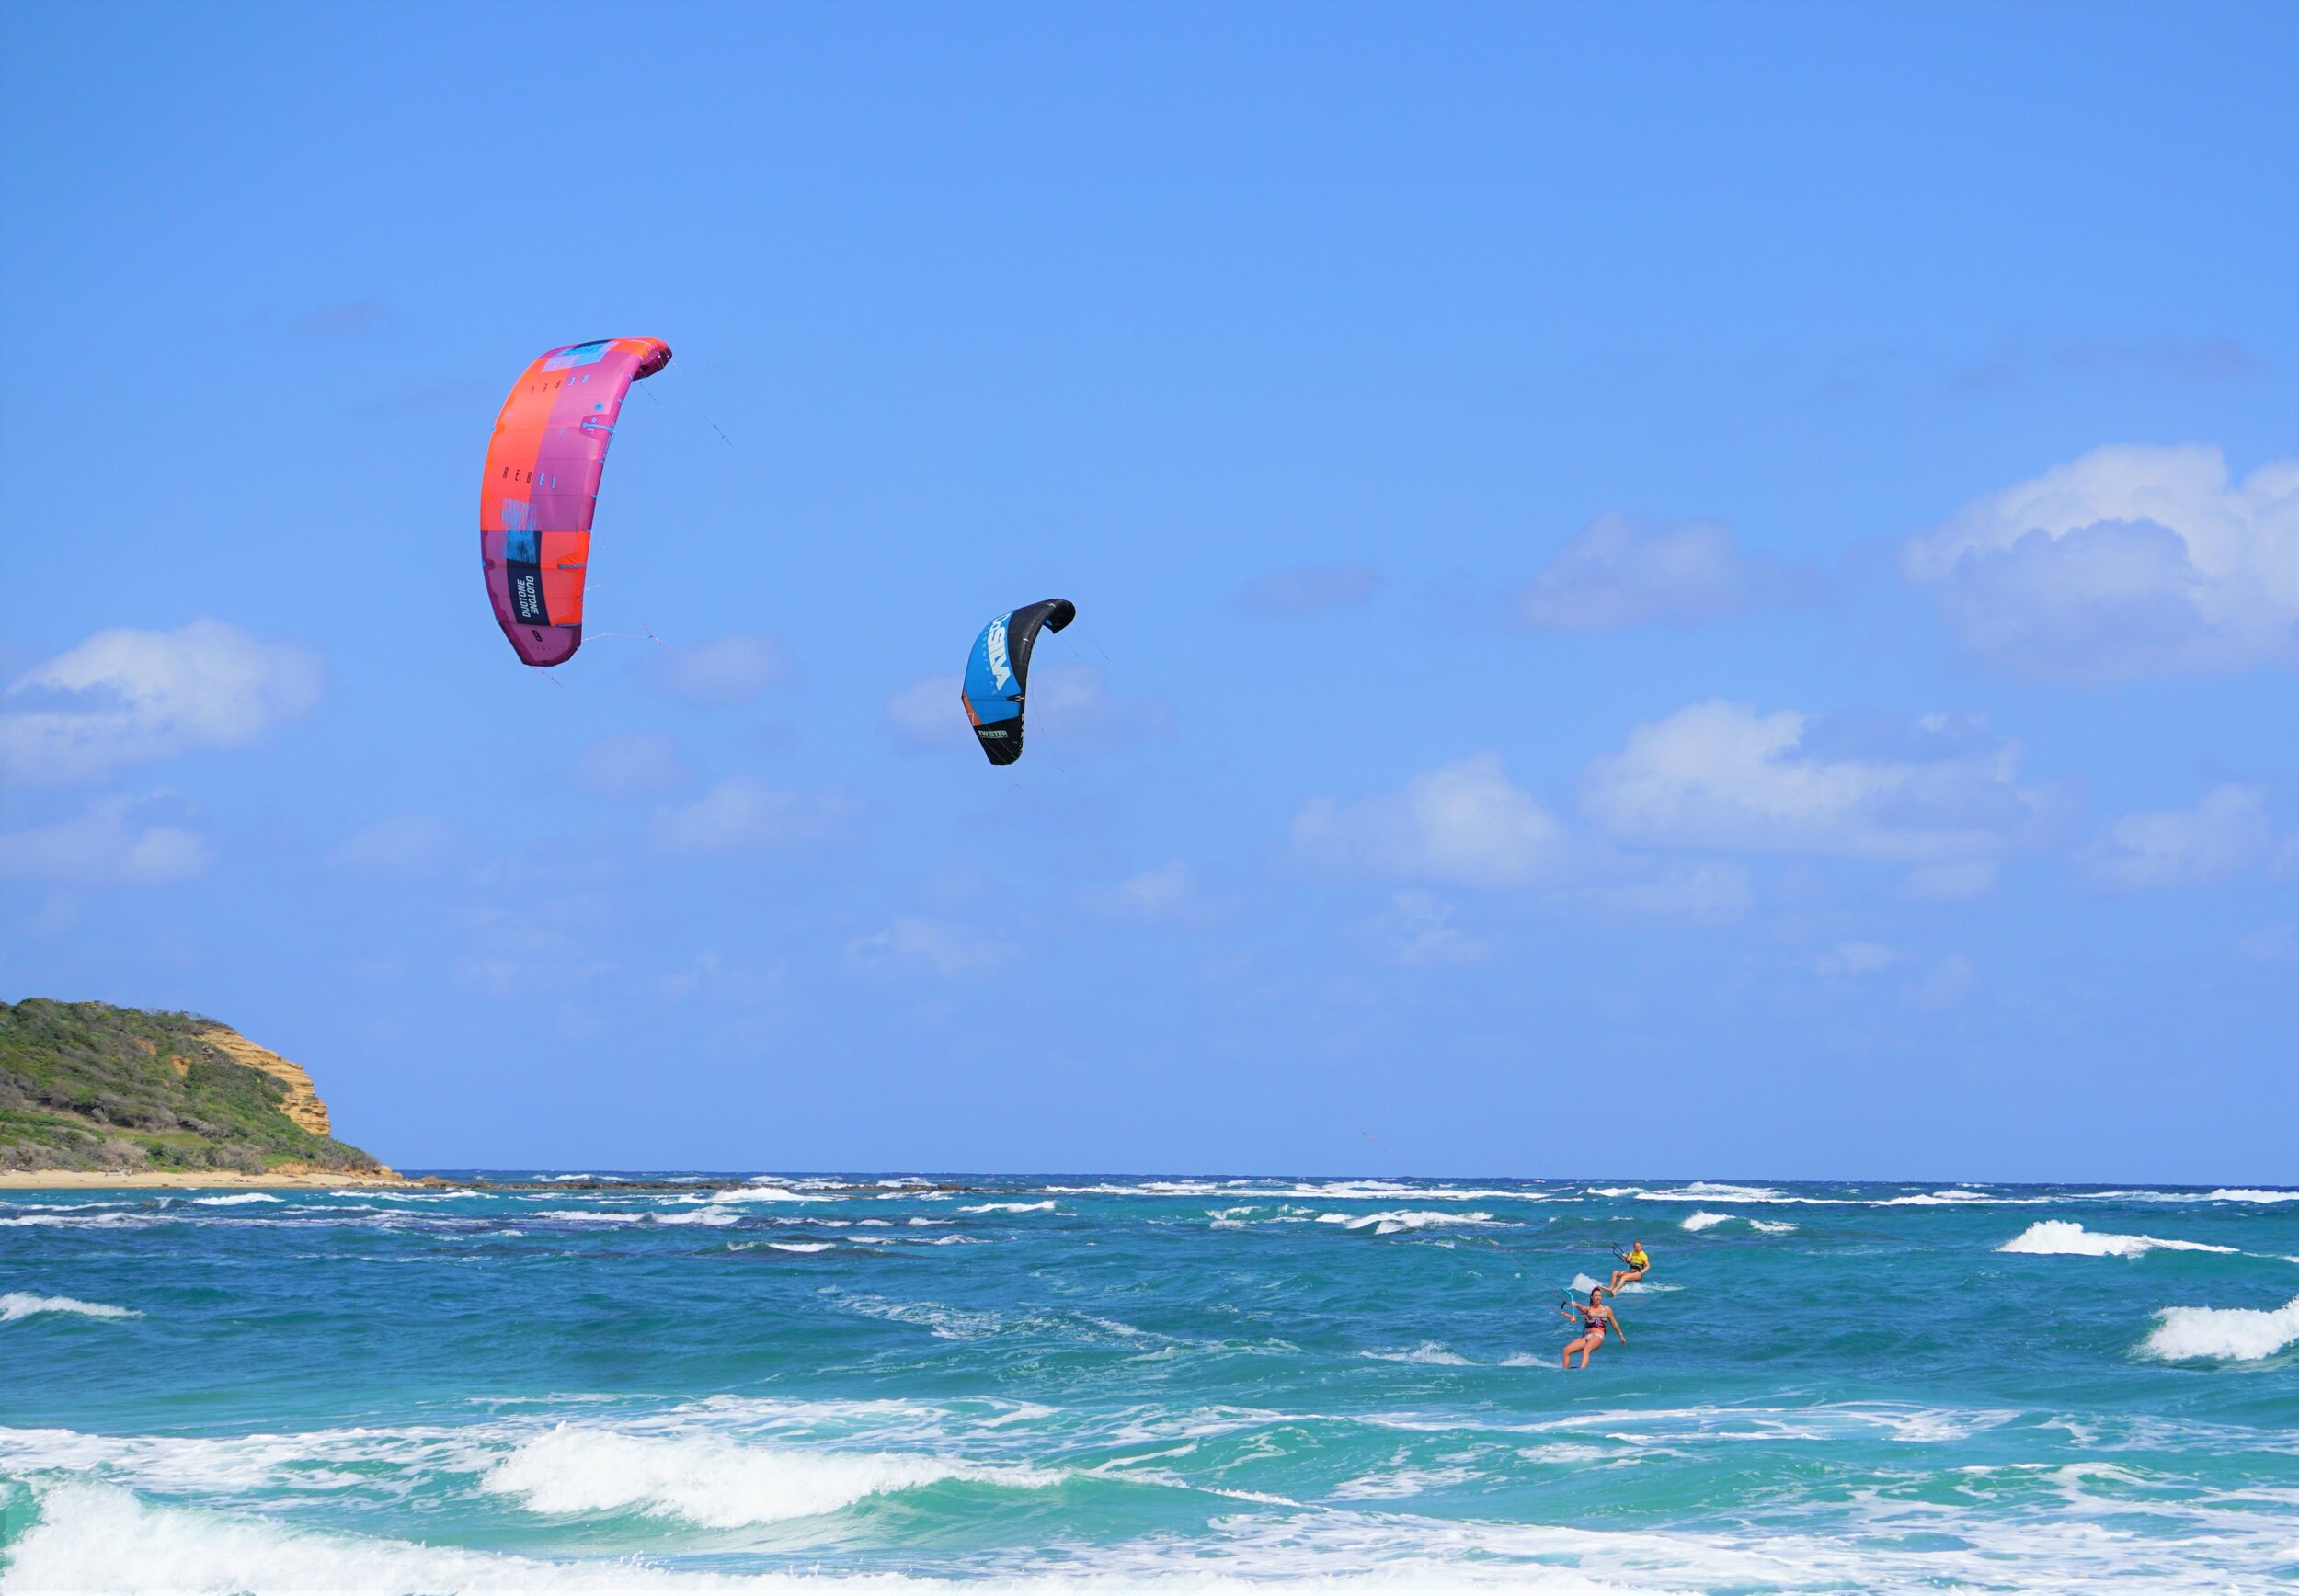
x=1621, y=572
x=1307, y=590
x=399, y=844
x=2227, y=829
x=742, y=813
x=946, y=949
x=1465, y=824
x=106, y=845
x=125, y=696
x=1934, y=791
x=628, y=765
x=2134, y=560
x=734, y=669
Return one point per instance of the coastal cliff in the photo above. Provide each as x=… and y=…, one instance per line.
x=89, y=1090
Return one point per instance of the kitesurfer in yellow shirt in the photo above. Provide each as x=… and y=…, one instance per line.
x=1635, y=1262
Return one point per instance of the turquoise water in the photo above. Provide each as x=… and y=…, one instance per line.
x=1123, y=1381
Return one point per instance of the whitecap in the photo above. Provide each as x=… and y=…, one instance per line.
x=800, y=1246
x=1396, y=1220
x=1702, y=1219
x=717, y=1483
x=1427, y=1353
x=1404, y=1482
x=2064, y=1237
x=2239, y=1335
x=1044, y=1207
x=713, y=1216
x=235, y=1200
x=23, y=1305
x=2252, y=1195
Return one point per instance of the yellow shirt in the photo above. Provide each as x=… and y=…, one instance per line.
x=1637, y=1261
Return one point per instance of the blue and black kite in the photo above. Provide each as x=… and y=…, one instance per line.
x=998, y=674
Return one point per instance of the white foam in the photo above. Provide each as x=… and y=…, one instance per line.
x=1772, y=1226
x=1396, y=1220
x=717, y=1483
x=1702, y=1220
x=698, y=1217
x=2064, y=1237
x=95, y=1537
x=800, y=1246
x=2241, y=1335
x=2252, y=1195
x=235, y=1200
x=1404, y=1482
x=113, y=1219
x=1427, y=1353
x=1584, y=1285
x=23, y=1305
x=1706, y=1192
x=591, y=1216
x=1044, y=1207
x=767, y=1194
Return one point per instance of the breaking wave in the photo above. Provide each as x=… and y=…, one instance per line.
x=23, y=1305
x=2064, y=1237
x=2239, y=1335
x=1391, y=1223
x=715, y=1483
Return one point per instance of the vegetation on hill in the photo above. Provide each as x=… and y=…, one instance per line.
x=87, y=1086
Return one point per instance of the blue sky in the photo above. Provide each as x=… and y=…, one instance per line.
x=1685, y=590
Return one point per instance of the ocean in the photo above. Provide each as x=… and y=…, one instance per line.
x=1117, y=1383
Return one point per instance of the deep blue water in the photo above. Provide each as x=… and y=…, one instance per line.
x=1177, y=1384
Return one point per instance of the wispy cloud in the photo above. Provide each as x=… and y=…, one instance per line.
x=2018, y=363
x=628, y=765
x=110, y=843
x=1465, y=824
x=1618, y=571
x=398, y=845
x=737, y=668
x=935, y=945
x=124, y=697
x=741, y=814
x=1309, y=589
x=2227, y=830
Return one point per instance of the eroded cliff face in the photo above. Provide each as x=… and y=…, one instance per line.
x=302, y=1104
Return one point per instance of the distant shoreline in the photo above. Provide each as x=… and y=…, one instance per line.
x=98, y=1179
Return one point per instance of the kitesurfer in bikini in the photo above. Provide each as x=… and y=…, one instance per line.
x=1636, y=1262
x=1593, y=1320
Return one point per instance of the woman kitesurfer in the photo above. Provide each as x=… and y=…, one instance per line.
x=1635, y=1262
x=1593, y=1320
